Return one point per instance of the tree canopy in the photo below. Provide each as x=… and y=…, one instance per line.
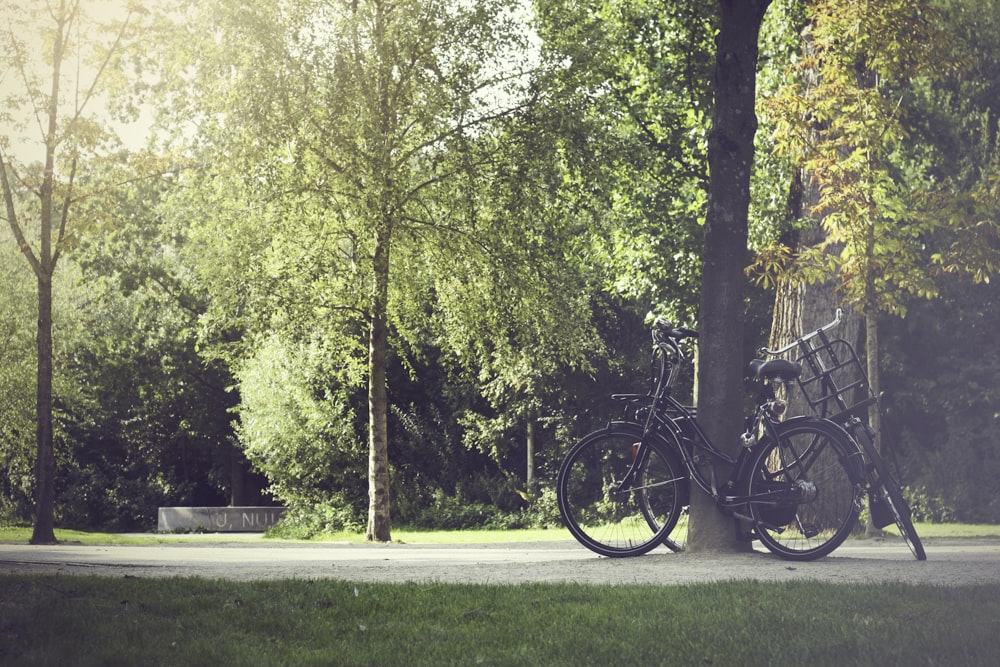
x=414, y=243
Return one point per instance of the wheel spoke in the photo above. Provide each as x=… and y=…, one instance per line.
x=808, y=464
x=615, y=519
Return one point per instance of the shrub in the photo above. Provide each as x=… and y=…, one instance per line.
x=306, y=522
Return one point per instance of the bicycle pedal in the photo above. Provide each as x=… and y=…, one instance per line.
x=810, y=530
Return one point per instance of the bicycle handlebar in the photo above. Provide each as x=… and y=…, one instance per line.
x=664, y=327
x=836, y=320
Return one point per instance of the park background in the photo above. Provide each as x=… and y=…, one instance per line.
x=499, y=195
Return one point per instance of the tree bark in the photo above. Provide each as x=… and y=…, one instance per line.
x=379, y=521
x=529, y=474
x=802, y=307
x=720, y=348
x=45, y=464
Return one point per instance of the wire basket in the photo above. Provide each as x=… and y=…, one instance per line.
x=833, y=379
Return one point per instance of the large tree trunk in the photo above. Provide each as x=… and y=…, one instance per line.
x=801, y=307
x=720, y=348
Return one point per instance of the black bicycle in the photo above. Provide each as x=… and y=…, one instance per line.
x=836, y=388
x=797, y=485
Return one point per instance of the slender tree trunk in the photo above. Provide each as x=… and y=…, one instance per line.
x=379, y=523
x=529, y=476
x=45, y=464
x=720, y=348
x=874, y=374
x=872, y=354
x=379, y=518
x=874, y=383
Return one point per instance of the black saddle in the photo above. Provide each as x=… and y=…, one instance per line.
x=776, y=369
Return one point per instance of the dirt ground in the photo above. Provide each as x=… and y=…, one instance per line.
x=949, y=562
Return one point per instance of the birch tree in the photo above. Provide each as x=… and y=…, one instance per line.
x=349, y=132
x=58, y=60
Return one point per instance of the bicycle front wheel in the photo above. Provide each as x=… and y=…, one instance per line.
x=885, y=491
x=606, y=513
x=805, y=489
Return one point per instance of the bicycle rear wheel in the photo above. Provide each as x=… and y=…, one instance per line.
x=608, y=517
x=806, y=489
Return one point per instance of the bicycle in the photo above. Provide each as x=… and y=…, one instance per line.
x=835, y=386
x=796, y=485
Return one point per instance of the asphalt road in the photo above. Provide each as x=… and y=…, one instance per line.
x=949, y=562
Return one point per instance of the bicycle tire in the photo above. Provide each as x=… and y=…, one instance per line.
x=676, y=538
x=612, y=522
x=817, y=469
x=885, y=485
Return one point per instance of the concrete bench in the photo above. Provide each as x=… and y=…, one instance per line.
x=218, y=519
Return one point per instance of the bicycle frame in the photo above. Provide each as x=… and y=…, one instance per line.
x=661, y=413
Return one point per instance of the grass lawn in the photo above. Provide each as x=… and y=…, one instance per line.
x=62, y=620
x=22, y=534
x=74, y=620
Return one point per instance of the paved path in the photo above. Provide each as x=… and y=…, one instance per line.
x=950, y=562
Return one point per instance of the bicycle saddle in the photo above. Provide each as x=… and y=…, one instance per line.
x=780, y=369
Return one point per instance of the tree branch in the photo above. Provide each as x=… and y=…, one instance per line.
x=8, y=196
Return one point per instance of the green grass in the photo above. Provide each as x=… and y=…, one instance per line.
x=51, y=620
x=953, y=530
x=15, y=534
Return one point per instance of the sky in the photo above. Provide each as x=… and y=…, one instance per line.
x=23, y=28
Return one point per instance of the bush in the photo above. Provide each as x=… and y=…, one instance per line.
x=453, y=513
x=543, y=512
x=930, y=508
x=308, y=522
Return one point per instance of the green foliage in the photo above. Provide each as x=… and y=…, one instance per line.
x=17, y=382
x=929, y=508
x=631, y=88
x=780, y=45
x=842, y=116
x=891, y=111
x=296, y=425
x=332, y=516
x=149, y=426
x=886, y=113
x=541, y=217
x=362, y=195
x=487, y=502
x=451, y=513
x=492, y=215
